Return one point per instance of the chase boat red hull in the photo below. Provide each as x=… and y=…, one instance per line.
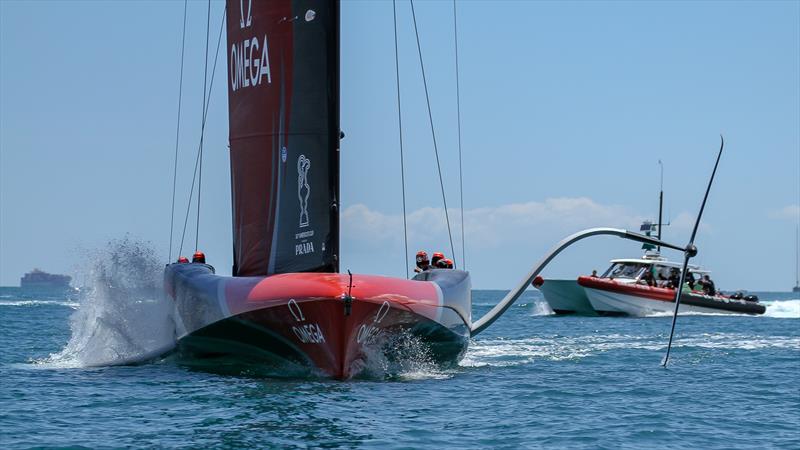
x=610, y=297
x=304, y=318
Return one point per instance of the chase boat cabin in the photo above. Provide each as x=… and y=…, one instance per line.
x=633, y=270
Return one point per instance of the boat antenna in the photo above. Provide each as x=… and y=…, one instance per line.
x=400, y=129
x=433, y=133
x=458, y=115
x=660, y=202
x=690, y=252
x=177, y=135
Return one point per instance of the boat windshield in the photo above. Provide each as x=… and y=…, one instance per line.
x=624, y=270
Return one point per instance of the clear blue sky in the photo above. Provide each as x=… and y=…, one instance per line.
x=566, y=109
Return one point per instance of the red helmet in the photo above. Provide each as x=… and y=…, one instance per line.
x=448, y=263
x=183, y=260
x=199, y=257
x=422, y=260
x=438, y=255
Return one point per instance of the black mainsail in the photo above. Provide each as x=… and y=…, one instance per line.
x=283, y=98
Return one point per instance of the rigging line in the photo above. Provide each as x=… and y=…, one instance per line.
x=177, y=135
x=202, y=128
x=400, y=128
x=460, y=171
x=433, y=133
x=189, y=204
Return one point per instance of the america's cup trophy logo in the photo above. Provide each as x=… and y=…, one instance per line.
x=303, y=189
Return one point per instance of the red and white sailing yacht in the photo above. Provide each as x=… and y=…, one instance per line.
x=286, y=301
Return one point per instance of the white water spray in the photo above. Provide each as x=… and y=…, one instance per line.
x=785, y=309
x=124, y=318
x=541, y=308
x=411, y=359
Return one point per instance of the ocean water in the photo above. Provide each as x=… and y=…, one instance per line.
x=531, y=380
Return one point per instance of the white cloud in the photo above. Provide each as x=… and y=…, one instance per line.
x=685, y=222
x=490, y=226
x=791, y=212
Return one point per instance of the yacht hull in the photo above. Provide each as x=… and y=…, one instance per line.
x=318, y=321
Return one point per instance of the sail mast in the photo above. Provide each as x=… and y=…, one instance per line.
x=334, y=132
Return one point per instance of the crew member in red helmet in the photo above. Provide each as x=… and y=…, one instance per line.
x=199, y=257
x=422, y=262
x=445, y=263
x=438, y=256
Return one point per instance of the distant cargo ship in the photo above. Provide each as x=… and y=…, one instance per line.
x=41, y=279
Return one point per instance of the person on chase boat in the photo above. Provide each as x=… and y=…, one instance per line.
x=708, y=285
x=689, y=280
x=422, y=262
x=674, y=278
x=648, y=278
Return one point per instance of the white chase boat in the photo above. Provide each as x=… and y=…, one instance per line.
x=565, y=296
x=641, y=287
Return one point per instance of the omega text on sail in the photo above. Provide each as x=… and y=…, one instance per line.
x=249, y=63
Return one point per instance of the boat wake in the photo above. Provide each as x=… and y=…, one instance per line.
x=33, y=302
x=514, y=352
x=124, y=318
x=781, y=309
x=786, y=309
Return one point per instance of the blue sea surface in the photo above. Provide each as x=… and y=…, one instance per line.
x=531, y=380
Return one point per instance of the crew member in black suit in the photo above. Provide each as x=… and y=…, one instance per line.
x=708, y=286
x=422, y=262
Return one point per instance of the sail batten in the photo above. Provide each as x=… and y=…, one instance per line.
x=283, y=99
